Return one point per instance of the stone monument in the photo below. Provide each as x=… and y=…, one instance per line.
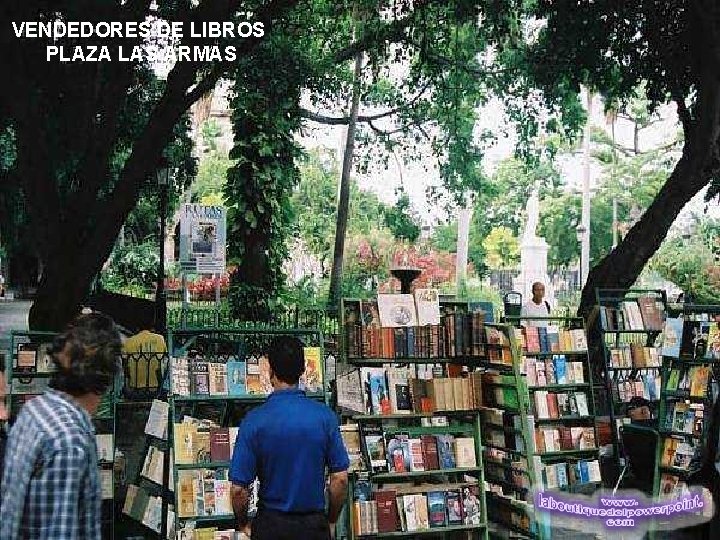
x=533, y=255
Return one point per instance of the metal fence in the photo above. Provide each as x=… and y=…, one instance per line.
x=564, y=281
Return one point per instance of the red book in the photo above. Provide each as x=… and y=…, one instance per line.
x=387, y=516
x=552, y=403
x=220, y=444
x=566, y=442
x=430, y=452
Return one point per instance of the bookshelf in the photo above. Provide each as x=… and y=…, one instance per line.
x=548, y=426
x=231, y=364
x=28, y=371
x=630, y=323
x=407, y=393
x=690, y=369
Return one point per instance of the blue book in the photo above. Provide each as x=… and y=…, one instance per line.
x=436, y=508
x=672, y=336
x=236, y=377
x=584, y=474
x=379, y=392
x=562, y=475
x=485, y=307
x=410, y=334
x=542, y=334
x=446, y=451
x=560, y=369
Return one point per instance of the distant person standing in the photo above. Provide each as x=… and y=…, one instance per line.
x=537, y=306
x=3, y=418
x=51, y=487
x=288, y=443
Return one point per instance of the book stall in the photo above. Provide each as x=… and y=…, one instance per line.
x=451, y=421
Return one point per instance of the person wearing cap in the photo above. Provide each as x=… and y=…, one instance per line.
x=50, y=486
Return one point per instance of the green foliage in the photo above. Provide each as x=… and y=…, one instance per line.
x=400, y=218
x=691, y=262
x=132, y=267
x=211, y=175
x=502, y=248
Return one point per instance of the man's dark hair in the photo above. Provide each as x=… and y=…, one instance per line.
x=636, y=403
x=92, y=343
x=286, y=358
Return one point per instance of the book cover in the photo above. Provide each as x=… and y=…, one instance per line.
x=421, y=509
x=672, y=337
x=217, y=376
x=44, y=359
x=26, y=361
x=379, y=396
x=183, y=443
x=181, y=377
x=713, y=341
x=236, y=377
x=427, y=302
x=436, y=508
x=397, y=310
x=186, y=493
x=200, y=378
x=552, y=405
x=416, y=454
x=374, y=448
x=312, y=378
x=453, y=503
x=582, y=404
x=561, y=372
x=472, y=505
x=350, y=434
x=106, y=484
x=410, y=512
x=651, y=315
x=699, y=377
x=430, y=452
x=465, y=452
x=399, y=390
x=446, y=454
x=223, y=502
x=691, y=336
x=387, y=515
x=220, y=444
x=104, y=443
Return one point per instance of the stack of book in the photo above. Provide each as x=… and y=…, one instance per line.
x=250, y=375
x=500, y=390
x=398, y=452
x=564, y=438
x=644, y=385
x=555, y=370
x=201, y=441
x=646, y=313
x=551, y=405
x=384, y=391
x=635, y=355
x=204, y=492
x=417, y=508
x=452, y=334
x=568, y=474
x=210, y=533
x=679, y=454
x=682, y=417
x=540, y=339
x=693, y=381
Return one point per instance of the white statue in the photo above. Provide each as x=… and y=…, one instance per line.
x=533, y=215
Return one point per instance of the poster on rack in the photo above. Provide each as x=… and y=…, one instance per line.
x=202, y=239
x=397, y=310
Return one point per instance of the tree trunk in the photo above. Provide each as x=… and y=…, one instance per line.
x=344, y=193
x=463, y=240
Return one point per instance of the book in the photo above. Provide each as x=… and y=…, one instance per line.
x=157, y=422
x=374, y=448
x=416, y=454
x=312, y=378
x=437, y=512
x=410, y=512
x=398, y=453
x=264, y=367
x=44, y=361
x=104, y=443
x=453, y=503
x=350, y=434
x=200, y=378
x=652, y=317
x=26, y=358
x=465, y=452
x=399, y=391
x=106, y=484
x=713, y=341
x=217, y=377
x=387, y=514
x=397, y=310
x=672, y=337
x=427, y=302
x=220, y=449
x=582, y=404
x=690, y=337
x=181, y=385
x=421, y=508
x=446, y=454
x=183, y=443
x=236, y=377
x=379, y=396
x=187, y=481
x=152, y=468
x=430, y=452
x=472, y=508
x=253, y=385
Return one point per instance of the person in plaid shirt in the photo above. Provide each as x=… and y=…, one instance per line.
x=50, y=486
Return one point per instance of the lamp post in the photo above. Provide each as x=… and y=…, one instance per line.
x=163, y=178
x=580, y=230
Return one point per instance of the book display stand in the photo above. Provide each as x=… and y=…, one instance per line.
x=630, y=322
x=414, y=436
x=215, y=377
x=28, y=372
x=690, y=375
x=546, y=418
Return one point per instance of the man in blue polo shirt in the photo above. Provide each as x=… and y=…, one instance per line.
x=288, y=443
